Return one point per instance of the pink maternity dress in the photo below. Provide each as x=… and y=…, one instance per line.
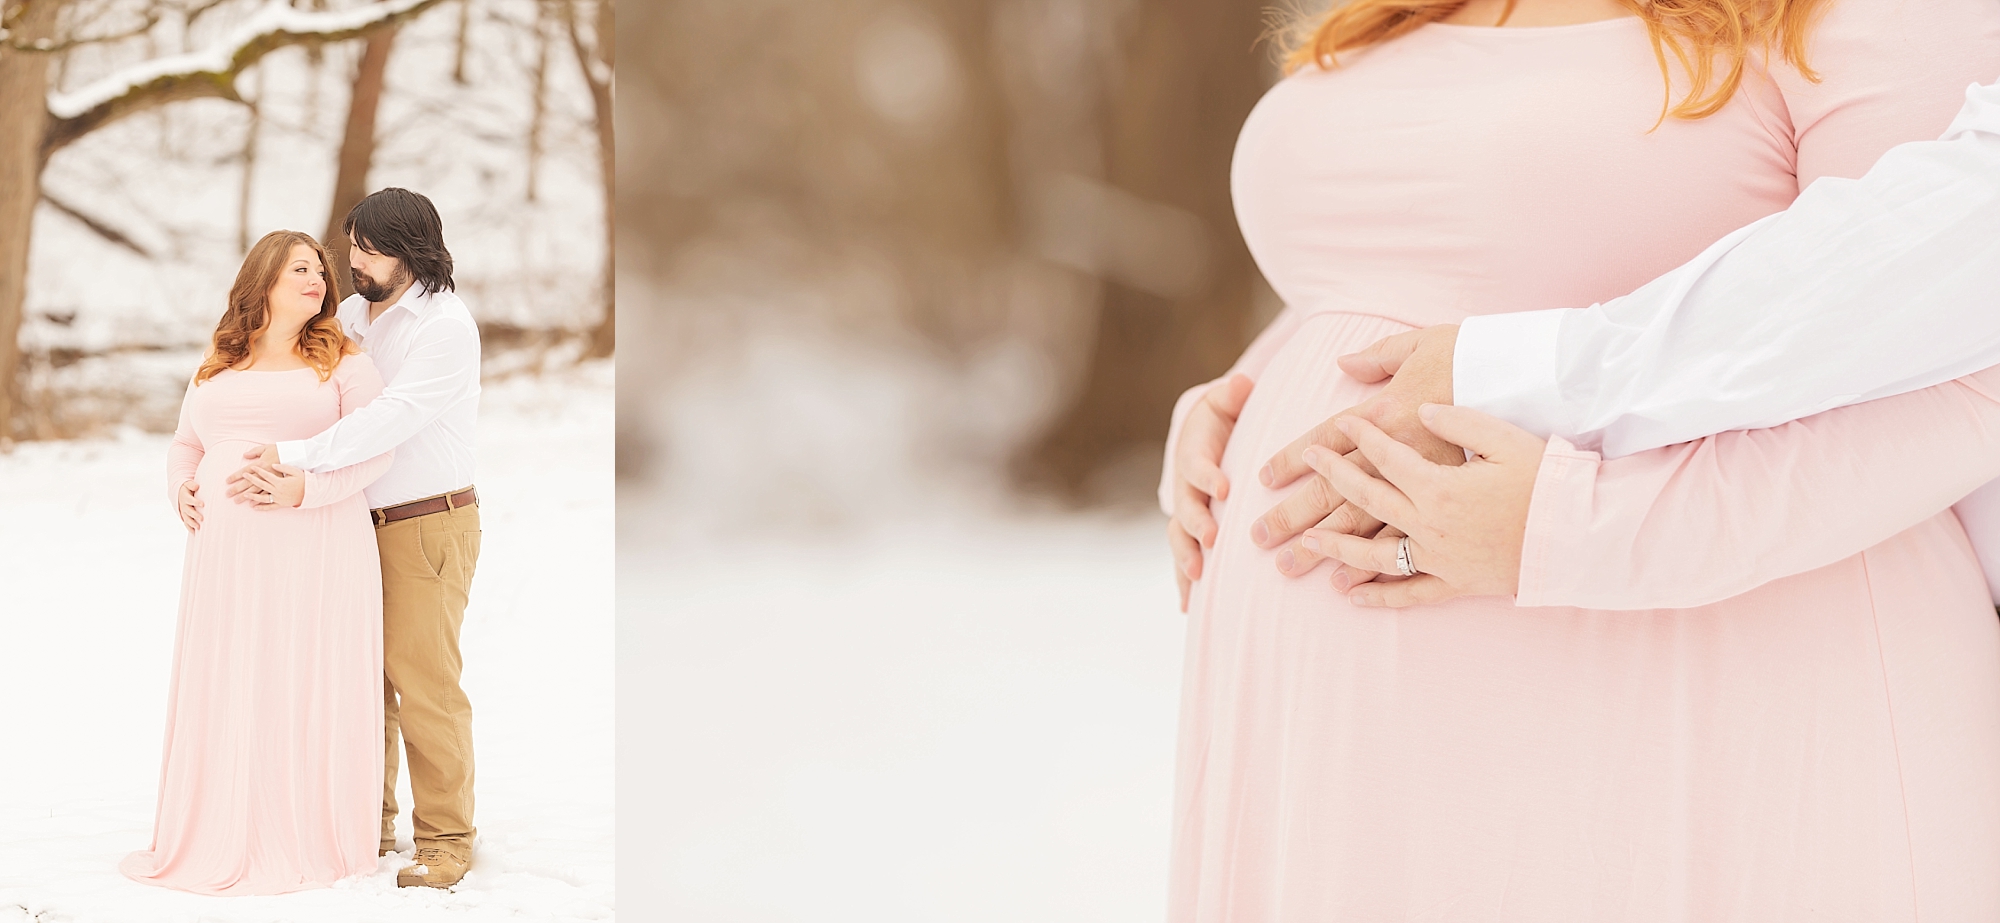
x=272, y=778
x=1816, y=738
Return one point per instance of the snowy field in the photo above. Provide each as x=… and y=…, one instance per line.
x=90, y=557
x=943, y=722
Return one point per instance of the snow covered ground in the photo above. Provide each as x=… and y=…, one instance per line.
x=90, y=562
x=947, y=719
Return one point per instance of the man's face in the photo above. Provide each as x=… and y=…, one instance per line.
x=375, y=275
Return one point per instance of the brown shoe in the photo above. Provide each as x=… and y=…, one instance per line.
x=435, y=868
x=386, y=847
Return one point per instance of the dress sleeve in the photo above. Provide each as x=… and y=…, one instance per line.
x=358, y=383
x=1255, y=357
x=184, y=453
x=1692, y=524
x=1697, y=523
x=1891, y=71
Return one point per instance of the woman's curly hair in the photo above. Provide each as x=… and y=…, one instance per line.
x=321, y=343
x=1701, y=34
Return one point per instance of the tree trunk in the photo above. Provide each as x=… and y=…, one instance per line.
x=464, y=29
x=603, y=339
x=538, y=109
x=1194, y=70
x=249, y=167
x=24, y=89
x=357, y=149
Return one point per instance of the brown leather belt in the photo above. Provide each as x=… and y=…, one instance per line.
x=425, y=507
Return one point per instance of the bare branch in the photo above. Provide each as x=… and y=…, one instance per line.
x=211, y=73
x=97, y=227
x=591, y=57
x=52, y=46
x=194, y=11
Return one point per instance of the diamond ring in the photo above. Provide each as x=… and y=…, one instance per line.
x=1403, y=565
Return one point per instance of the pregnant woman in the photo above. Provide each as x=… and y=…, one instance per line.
x=1825, y=746
x=272, y=778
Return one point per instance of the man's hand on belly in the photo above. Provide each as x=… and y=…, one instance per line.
x=1198, y=476
x=1418, y=364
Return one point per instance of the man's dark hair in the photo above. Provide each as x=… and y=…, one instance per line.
x=403, y=224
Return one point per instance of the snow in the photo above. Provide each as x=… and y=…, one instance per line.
x=90, y=556
x=172, y=180
x=275, y=16
x=955, y=717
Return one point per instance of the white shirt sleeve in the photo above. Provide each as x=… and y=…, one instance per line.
x=442, y=367
x=1862, y=289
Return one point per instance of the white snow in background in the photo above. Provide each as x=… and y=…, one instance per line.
x=91, y=556
x=961, y=718
x=273, y=17
x=171, y=178
x=807, y=425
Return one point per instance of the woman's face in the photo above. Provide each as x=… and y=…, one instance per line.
x=297, y=294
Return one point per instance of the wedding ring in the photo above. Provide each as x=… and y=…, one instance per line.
x=1403, y=565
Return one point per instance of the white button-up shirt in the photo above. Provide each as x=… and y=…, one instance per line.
x=427, y=348
x=1863, y=289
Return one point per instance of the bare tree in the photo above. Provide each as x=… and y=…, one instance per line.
x=357, y=148
x=249, y=157
x=35, y=124
x=596, y=54
x=539, y=105
x=1192, y=77
x=24, y=76
x=458, y=54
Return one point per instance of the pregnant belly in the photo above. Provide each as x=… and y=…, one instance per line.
x=219, y=460
x=1301, y=387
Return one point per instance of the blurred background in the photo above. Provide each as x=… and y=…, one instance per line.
x=993, y=237
x=914, y=285
x=144, y=145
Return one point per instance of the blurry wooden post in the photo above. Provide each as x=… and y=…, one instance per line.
x=598, y=59
x=1192, y=71
x=357, y=149
x=24, y=84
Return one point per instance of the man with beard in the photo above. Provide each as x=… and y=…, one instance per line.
x=407, y=317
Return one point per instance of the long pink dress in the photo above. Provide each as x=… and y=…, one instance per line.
x=1817, y=738
x=272, y=777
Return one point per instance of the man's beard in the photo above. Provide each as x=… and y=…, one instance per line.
x=375, y=292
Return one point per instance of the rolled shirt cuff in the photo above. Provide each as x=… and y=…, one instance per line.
x=1507, y=365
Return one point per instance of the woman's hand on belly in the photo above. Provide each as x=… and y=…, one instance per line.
x=1198, y=476
x=1465, y=523
x=1420, y=363
x=190, y=506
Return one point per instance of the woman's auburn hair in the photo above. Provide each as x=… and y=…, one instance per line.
x=1698, y=32
x=321, y=343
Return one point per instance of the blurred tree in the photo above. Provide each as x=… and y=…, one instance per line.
x=1191, y=76
x=596, y=53
x=24, y=76
x=990, y=174
x=357, y=149
x=34, y=126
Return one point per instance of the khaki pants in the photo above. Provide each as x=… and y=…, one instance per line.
x=427, y=564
